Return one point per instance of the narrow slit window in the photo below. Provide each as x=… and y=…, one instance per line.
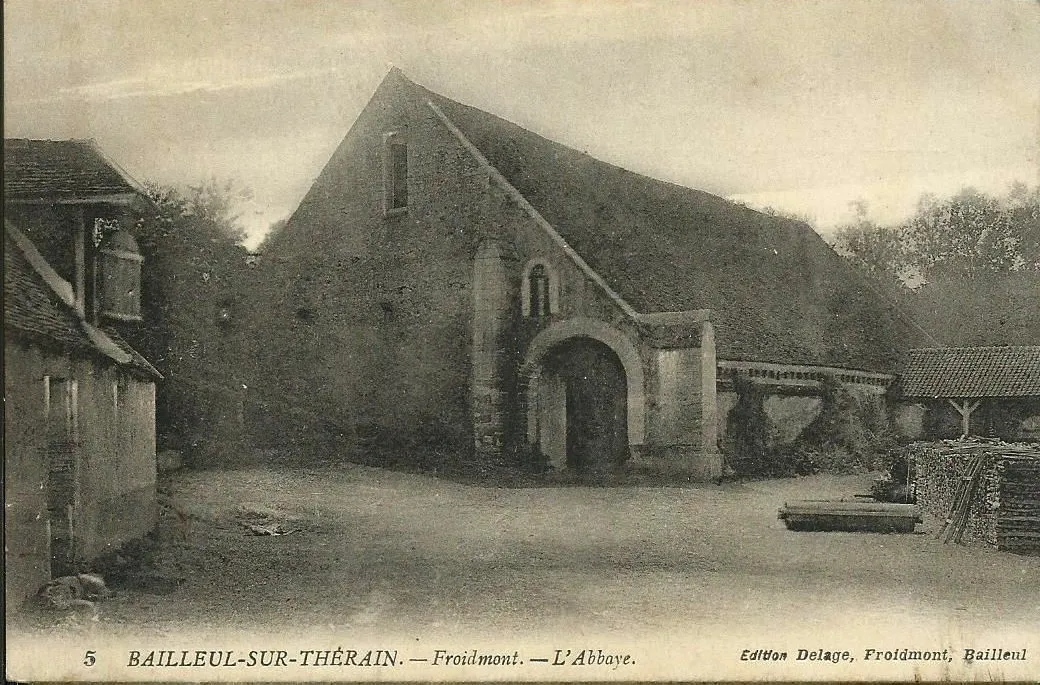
x=539, y=294
x=396, y=173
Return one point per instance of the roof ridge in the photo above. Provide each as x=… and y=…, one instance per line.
x=776, y=289
x=973, y=372
x=48, y=140
x=675, y=184
x=803, y=226
x=69, y=170
x=130, y=180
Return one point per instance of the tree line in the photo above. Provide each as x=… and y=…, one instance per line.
x=965, y=268
x=969, y=235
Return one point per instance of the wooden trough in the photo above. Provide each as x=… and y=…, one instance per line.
x=870, y=517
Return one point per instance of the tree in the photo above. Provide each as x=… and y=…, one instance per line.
x=191, y=285
x=876, y=250
x=785, y=214
x=208, y=210
x=972, y=259
x=1024, y=204
x=965, y=235
x=988, y=309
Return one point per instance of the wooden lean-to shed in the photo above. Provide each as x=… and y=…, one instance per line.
x=978, y=490
x=993, y=390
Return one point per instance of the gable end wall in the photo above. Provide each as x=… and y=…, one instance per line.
x=385, y=348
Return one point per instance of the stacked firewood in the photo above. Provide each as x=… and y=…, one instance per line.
x=980, y=491
x=1018, y=526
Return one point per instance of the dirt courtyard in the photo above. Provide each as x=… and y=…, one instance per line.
x=371, y=551
x=376, y=547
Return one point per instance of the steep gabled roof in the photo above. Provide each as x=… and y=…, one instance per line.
x=37, y=308
x=62, y=171
x=972, y=372
x=777, y=292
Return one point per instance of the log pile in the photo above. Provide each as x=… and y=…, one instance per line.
x=1018, y=524
x=981, y=492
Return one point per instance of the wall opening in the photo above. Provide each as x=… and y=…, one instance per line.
x=539, y=290
x=582, y=398
x=531, y=380
x=395, y=173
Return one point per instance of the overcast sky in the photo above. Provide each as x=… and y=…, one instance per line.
x=803, y=106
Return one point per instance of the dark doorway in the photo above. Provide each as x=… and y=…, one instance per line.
x=596, y=397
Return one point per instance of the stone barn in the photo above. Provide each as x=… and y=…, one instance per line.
x=79, y=428
x=454, y=279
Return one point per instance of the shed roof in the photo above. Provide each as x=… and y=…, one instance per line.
x=62, y=171
x=973, y=372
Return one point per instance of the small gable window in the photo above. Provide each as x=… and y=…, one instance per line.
x=395, y=173
x=540, y=290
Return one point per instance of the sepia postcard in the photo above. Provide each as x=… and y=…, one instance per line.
x=384, y=340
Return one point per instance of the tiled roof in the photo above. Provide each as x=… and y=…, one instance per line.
x=973, y=372
x=35, y=312
x=777, y=291
x=136, y=360
x=60, y=169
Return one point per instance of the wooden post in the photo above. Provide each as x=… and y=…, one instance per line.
x=965, y=411
x=81, y=261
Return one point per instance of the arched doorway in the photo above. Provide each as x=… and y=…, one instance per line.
x=582, y=406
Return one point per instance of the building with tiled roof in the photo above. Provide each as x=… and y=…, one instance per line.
x=80, y=474
x=63, y=171
x=976, y=379
x=477, y=281
x=973, y=372
x=32, y=309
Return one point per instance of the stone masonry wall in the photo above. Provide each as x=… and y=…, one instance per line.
x=579, y=297
x=385, y=347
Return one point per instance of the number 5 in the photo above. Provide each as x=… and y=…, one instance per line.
x=88, y=658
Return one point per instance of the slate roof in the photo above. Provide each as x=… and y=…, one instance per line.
x=777, y=291
x=973, y=372
x=60, y=170
x=34, y=312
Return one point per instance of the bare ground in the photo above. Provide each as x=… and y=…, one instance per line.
x=373, y=550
